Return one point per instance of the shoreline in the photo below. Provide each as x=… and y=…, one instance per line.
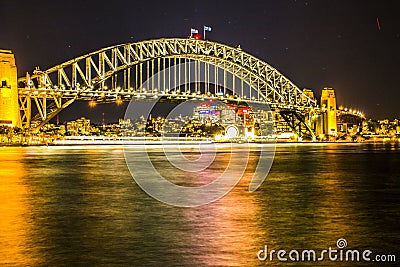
x=179, y=142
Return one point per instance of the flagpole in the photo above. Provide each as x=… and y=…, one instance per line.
x=204, y=32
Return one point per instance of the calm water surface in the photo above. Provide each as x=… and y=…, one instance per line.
x=80, y=206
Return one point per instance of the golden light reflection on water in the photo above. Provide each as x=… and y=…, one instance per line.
x=336, y=207
x=224, y=235
x=79, y=206
x=311, y=206
x=14, y=209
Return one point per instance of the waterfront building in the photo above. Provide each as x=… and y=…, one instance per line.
x=80, y=126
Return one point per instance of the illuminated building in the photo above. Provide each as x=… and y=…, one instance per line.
x=206, y=112
x=79, y=127
x=8, y=90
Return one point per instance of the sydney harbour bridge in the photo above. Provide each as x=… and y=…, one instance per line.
x=168, y=68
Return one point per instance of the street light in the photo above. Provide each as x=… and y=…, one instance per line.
x=118, y=101
x=92, y=103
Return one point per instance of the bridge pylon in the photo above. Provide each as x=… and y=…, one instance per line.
x=9, y=111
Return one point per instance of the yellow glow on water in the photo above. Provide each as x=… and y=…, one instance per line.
x=14, y=210
x=223, y=235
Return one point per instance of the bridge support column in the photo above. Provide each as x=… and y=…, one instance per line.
x=25, y=107
x=9, y=110
x=297, y=122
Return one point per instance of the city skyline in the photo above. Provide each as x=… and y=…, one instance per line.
x=322, y=45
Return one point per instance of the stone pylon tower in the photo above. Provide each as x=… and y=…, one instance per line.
x=9, y=110
x=328, y=105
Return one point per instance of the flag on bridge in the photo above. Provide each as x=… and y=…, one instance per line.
x=195, y=34
x=206, y=28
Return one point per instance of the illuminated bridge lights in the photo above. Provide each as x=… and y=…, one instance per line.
x=350, y=111
x=92, y=103
x=112, y=74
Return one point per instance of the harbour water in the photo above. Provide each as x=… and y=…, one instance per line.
x=80, y=206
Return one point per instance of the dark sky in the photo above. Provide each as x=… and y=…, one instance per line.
x=314, y=43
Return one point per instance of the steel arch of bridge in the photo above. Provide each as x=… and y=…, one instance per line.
x=54, y=89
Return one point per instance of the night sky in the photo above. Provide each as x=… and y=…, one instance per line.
x=352, y=46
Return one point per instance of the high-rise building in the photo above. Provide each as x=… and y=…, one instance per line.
x=328, y=106
x=9, y=111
